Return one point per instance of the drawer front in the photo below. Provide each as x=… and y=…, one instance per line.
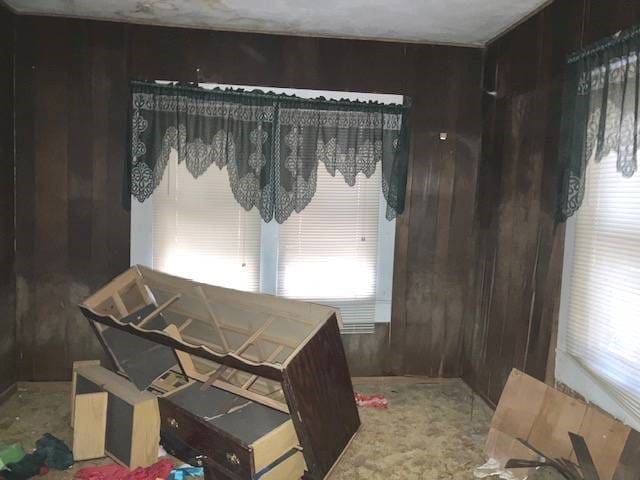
x=213, y=471
x=215, y=445
x=177, y=448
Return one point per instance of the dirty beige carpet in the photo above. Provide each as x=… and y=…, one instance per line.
x=431, y=430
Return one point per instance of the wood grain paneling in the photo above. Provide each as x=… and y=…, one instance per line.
x=71, y=125
x=8, y=348
x=71, y=232
x=519, y=247
x=320, y=398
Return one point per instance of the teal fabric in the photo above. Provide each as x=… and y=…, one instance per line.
x=57, y=455
x=271, y=145
x=599, y=113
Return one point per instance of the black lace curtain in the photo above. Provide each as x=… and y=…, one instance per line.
x=600, y=113
x=272, y=145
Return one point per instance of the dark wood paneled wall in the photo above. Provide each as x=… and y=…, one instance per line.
x=72, y=234
x=8, y=350
x=519, y=248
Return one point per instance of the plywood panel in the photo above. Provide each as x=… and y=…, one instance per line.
x=605, y=437
x=519, y=405
x=558, y=415
x=90, y=423
x=504, y=447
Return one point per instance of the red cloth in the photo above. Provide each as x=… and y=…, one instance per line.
x=160, y=469
x=375, y=401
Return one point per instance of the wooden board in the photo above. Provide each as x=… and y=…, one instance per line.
x=531, y=410
x=558, y=415
x=605, y=438
x=264, y=370
x=320, y=396
x=145, y=435
x=90, y=422
x=519, y=405
x=76, y=365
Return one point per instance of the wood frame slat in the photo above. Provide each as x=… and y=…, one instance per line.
x=158, y=310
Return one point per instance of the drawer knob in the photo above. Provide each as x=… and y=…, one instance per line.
x=233, y=458
x=173, y=422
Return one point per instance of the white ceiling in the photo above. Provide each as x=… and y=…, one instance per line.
x=464, y=22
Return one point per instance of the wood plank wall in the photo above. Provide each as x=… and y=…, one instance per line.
x=8, y=351
x=71, y=114
x=519, y=249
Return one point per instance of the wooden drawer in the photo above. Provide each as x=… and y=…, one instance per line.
x=239, y=438
x=211, y=442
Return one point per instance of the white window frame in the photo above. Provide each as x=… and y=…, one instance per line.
x=141, y=248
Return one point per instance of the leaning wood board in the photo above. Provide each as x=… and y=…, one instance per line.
x=544, y=416
x=267, y=353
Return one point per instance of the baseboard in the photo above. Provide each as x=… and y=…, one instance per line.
x=4, y=396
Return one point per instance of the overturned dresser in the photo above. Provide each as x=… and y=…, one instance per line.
x=251, y=386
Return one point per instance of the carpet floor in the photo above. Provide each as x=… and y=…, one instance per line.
x=431, y=429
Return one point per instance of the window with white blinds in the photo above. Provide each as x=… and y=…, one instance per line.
x=201, y=232
x=338, y=251
x=600, y=321
x=329, y=251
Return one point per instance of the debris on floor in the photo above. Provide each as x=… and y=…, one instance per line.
x=10, y=453
x=57, y=455
x=159, y=470
x=374, y=401
x=441, y=435
x=493, y=469
x=50, y=452
x=30, y=465
x=182, y=473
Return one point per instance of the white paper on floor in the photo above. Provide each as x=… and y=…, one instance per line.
x=493, y=468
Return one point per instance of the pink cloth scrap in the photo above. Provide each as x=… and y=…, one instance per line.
x=374, y=401
x=160, y=469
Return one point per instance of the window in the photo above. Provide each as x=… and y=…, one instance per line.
x=338, y=251
x=599, y=339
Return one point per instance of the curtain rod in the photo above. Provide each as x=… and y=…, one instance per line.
x=257, y=93
x=607, y=42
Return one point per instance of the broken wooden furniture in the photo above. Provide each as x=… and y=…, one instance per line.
x=249, y=385
x=111, y=416
x=533, y=418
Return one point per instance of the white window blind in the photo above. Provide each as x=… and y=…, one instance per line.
x=201, y=232
x=602, y=315
x=338, y=251
x=329, y=251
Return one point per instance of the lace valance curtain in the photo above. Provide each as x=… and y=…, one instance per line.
x=600, y=113
x=271, y=145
